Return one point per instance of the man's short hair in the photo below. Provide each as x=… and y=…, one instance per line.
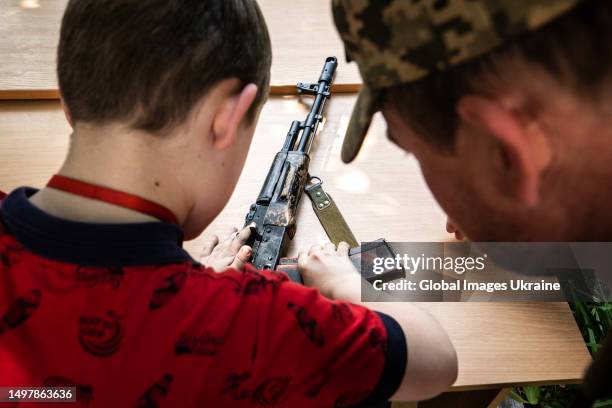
x=575, y=49
x=148, y=62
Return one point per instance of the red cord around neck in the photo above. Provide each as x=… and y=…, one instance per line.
x=111, y=196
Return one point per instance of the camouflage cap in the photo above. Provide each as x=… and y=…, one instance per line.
x=400, y=41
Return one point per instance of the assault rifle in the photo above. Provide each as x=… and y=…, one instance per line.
x=274, y=211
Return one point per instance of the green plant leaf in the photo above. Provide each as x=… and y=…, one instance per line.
x=603, y=404
x=594, y=321
x=604, y=314
x=532, y=393
x=515, y=396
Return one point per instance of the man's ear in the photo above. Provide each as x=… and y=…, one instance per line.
x=524, y=144
x=67, y=113
x=230, y=114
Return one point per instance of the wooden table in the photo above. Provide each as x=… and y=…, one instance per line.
x=301, y=31
x=381, y=194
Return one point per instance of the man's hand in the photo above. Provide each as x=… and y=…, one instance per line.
x=229, y=253
x=331, y=271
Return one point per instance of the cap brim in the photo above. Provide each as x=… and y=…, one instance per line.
x=365, y=107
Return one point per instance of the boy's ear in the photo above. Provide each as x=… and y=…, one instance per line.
x=524, y=145
x=67, y=113
x=230, y=114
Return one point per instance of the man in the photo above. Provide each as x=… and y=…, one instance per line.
x=96, y=291
x=505, y=104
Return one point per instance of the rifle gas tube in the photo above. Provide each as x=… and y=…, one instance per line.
x=275, y=209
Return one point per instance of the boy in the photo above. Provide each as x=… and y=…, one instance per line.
x=97, y=292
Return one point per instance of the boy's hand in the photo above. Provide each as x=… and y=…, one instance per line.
x=229, y=253
x=330, y=270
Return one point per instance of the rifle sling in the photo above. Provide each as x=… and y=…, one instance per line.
x=329, y=215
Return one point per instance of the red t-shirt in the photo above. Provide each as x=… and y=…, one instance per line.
x=124, y=314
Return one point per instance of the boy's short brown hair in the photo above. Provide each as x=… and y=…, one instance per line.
x=148, y=62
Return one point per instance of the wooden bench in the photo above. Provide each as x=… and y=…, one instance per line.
x=301, y=31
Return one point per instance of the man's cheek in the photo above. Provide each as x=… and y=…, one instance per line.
x=442, y=188
x=448, y=191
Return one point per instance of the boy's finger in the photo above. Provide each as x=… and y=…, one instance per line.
x=209, y=245
x=343, y=248
x=241, y=237
x=231, y=233
x=329, y=247
x=301, y=260
x=314, y=249
x=242, y=257
x=244, y=234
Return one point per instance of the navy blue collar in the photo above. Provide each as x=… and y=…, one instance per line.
x=150, y=243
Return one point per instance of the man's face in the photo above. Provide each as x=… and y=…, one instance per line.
x=463, y=182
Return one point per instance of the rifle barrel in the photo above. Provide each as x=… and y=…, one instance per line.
x=315, y=115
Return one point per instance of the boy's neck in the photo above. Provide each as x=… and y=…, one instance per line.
x=123, y=159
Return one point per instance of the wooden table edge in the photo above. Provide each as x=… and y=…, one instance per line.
x=491, y=386
x=49, y=94
x=29, y=94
